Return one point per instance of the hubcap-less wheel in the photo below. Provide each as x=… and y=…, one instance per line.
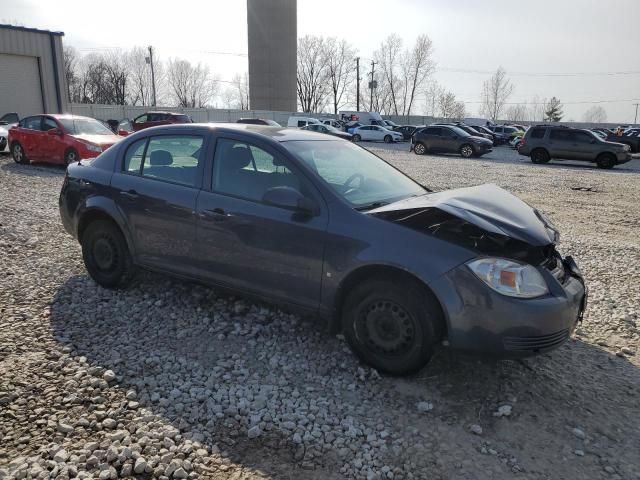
x=105, y=254
x=386, y=328
x=466, y=151
x=71, y=157
x=539, y=156
x=356, y=138
x=419, y=149
x=18, y=154
x=387, y=139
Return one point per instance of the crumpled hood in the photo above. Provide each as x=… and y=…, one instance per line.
x=488, y=206
x=98, y=139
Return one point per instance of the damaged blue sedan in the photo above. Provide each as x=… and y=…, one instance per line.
x=323, y=226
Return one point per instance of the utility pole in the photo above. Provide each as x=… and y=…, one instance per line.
x=153, y=75
x=357, y=84
x=372, y=85
x=635, y=122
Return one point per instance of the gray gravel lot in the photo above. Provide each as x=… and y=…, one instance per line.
x=173, y=380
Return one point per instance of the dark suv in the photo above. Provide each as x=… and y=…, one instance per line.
x=154, y=119
x=448, y=139
x=544, y=142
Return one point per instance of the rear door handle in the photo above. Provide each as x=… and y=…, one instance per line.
x=217, y=214
x=130, y=194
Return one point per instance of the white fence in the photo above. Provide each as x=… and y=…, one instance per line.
x=118, y=112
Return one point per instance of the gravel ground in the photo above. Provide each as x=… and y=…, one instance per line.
x=173, y=380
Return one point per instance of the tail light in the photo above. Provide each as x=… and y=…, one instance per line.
x=522, y=142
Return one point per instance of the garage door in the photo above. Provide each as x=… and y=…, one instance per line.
x=20, y=85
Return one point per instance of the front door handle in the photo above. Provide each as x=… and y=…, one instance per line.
x=130, y=194
x=217, y=214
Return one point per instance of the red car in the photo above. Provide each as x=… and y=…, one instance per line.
x=60, y=139
x=153, y=119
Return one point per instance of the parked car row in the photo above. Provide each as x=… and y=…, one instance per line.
x=449, y=138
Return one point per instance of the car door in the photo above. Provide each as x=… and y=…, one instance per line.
x=433, y=138
x=583, y=144
x=33, y=138
x=248, y=244
x=377, y=133
x=448, y=141
x=53, y=146
x=156, y=187
x=560, y=143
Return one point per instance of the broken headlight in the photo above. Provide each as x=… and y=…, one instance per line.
x=510, y=278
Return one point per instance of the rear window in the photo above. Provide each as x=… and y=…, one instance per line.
x=537, y=133
x=182, y=118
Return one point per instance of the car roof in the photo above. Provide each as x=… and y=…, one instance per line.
x=68, y=116
x=278, y=134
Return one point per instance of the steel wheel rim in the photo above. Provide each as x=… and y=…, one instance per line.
x=386, y=328
x=105, y=254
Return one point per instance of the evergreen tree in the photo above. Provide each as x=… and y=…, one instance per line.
x=553, y=112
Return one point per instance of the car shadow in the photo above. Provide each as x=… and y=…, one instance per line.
x=216, y=344
x=34, y=169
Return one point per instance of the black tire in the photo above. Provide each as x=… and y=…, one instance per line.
x=71, y=156
x=419, y=148
x=18, y=154
x=106, y=254
x=394, y=326
x=466, y=150
x=357, y=138
x=540, y=155
x=388, y=139
x=606, y=160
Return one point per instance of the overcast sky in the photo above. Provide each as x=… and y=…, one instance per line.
x=596, y=40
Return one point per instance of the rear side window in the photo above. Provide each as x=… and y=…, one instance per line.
x=173, y=158
x=537, y=133
x=301, y=123
x=432, y=131
x=560, y=135
x=182, y=119
x=134, y=155
x=48, y=123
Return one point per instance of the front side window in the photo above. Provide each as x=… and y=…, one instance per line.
x=560, y=135
x=583, y=137
x=355, y=174
x=432, y=131
x=141, y=119
x=301, y=123
x=247, y=171
x=172, y=158
x=48, y=123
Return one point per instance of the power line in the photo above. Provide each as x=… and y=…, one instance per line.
x=564, y=103
x=539, y=74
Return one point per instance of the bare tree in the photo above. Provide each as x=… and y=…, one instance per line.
x=418, y=67
x=536, y=109
x=340, y=57
x=595, y=114
x=312, y=78
x=70, y=60
x=140, y=90
x=495, y=93
x=517, y=113
x=190, y=85
x=432, y=94
x=241, y=86
x=449, y=107
x=389, y=59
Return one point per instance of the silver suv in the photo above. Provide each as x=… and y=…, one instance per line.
x=544, y=142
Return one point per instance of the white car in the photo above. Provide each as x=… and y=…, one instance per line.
x=374, y=133
x=4, y=135
x=7, y=121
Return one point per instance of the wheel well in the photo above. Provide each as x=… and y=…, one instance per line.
x=367, y=273
x=540, y=149
x=605, y=154
x=90, y=217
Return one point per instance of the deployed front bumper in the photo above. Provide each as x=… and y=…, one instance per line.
x=480, y=320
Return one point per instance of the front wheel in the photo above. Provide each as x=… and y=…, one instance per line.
x=17, y=152
x=419, y=148
x=357, y=138
x=394, y=326
x=387, y=139
x=466, y=151
x=71, y=156
x=106, y=254
x=606, y=160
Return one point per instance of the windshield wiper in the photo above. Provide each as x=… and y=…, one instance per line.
x=371, y=206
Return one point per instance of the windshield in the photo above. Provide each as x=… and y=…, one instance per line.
x=354, y=173
x=86, y=126
x=332, y=129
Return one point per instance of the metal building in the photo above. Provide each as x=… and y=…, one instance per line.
x=272, y=29
x=31, y=71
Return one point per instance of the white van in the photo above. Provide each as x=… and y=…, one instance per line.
x=300, y=122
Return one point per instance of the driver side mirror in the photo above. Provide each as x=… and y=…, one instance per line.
x=56, y=132
x=290, y=199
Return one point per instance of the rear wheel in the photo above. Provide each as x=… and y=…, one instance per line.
x=357, y=138
x=466, y=150
x=394, y=326
x=17, y=152
x=71, y=156
x=606, y=160
x=419, y=149
x=106, y=254
x=539, y=156
x=387, y=139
